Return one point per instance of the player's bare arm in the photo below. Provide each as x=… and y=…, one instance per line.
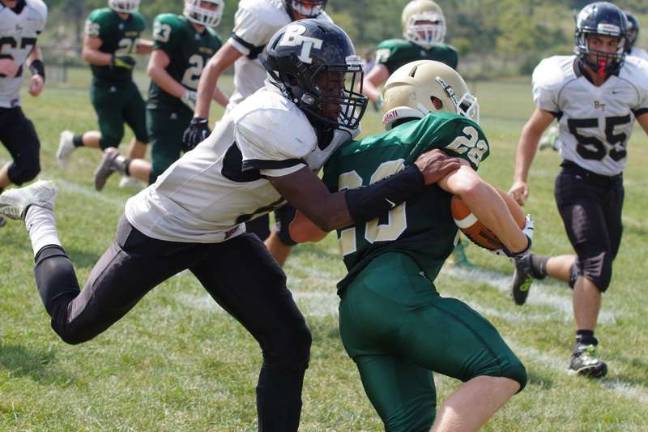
x=37, y=68
x=643, y=122
x=486, y=204
x=144, y=46
x=329, y=211
x=156, y=69
x=223, y=59
x=374, y=79
x=526, y=150
x=91, y=54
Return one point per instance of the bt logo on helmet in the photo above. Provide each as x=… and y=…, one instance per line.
x=293, y=37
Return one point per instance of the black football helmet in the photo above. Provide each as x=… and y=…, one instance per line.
x=315, y=65
x=604, y=19
x=307, y=8
x=632, y=33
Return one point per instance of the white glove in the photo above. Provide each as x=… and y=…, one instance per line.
x=189, y=98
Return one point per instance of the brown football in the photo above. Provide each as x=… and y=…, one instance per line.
x=474, y=229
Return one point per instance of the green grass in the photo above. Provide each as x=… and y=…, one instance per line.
x=178, y=363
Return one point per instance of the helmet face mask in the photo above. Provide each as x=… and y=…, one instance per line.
x=423, y=23
x=426, y=86
x=596, y=25
x=305, y=8
x=204, y=12
x=124, y=6
x=314, y=64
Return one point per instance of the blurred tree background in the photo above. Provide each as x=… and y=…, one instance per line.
x=494, y=37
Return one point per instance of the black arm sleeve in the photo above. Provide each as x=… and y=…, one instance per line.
x=372, y=201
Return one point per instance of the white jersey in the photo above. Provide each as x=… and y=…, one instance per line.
x=638, y=52
x=255, y=22
x=18, y=34
x=208, y=194
x=595, y=122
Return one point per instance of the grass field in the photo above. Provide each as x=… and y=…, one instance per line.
x=178, y=363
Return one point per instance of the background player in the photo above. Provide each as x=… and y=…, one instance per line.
x=632, y=35
x=21, y=22
x=393, y=322
x=594, y=126
x=182, y=45
x=254, y=24
x=112, y=36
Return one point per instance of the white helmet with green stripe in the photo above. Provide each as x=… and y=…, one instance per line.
x=423, y=23
x=124, y=6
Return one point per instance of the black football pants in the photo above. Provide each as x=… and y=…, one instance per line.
x=239, y=274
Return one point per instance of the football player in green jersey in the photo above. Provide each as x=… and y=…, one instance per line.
x=112, y=36
x=393, y=322
x=182, y=46
x=424, y=30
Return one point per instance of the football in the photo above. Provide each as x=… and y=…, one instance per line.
x=474, y=229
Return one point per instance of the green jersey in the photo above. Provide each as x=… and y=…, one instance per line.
x=118, y=36
x=421, y=227
x=188, y=52
x=394, y=53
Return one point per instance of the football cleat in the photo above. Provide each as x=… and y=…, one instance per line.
x=65, y=148
x=106, y=167
x=15, y=202
x=585, y=362
x=522, y=278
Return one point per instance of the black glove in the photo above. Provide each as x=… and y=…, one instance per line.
x=197, y=132
x=122, y=61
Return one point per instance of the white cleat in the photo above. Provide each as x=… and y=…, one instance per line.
x=65, y=148
x=127, y=182
x=14, y=202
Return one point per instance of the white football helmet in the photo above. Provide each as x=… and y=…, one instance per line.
x=307, y=9
x=124, y=6
x=423, y=23
x=424, y=86
x=196, y=13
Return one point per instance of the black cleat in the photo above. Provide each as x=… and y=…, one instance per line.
x=585, y=362
x=106, y=167
x=522, y=279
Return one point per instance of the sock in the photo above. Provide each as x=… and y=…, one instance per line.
x=77, y=140
x=122, y=165
x=41, y=225
x=586, y=337
x=539, y=266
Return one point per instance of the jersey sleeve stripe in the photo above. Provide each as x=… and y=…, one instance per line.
x=245, y=47
x=271, y=164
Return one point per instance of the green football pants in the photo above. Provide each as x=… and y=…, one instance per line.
x=165, y=128
x=398, y=330
x=116, y=104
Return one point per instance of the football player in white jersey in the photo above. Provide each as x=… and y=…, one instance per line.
x=254, y=24
x=21, y=21
x=193, y=217
x=632, y=36
x=596, y=96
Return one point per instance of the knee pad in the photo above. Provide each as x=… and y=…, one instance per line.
x=19, y=174
x=597, y=268
x=289, y=349
x=283, y=216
